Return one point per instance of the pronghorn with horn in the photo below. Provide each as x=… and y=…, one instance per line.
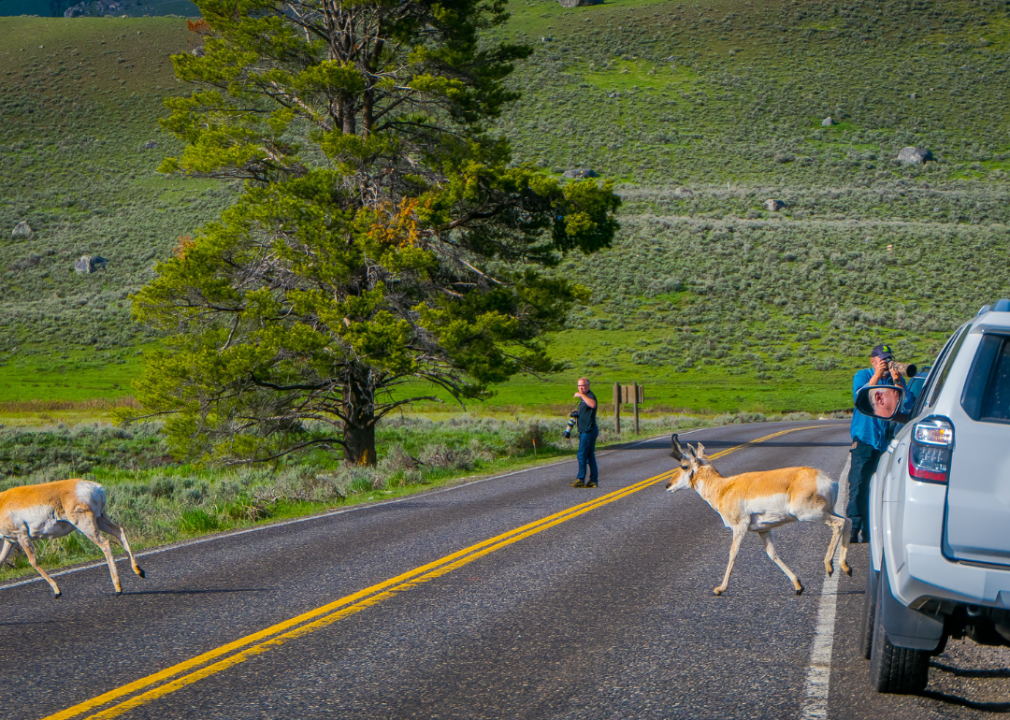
x=52, y=510
x=760, y=501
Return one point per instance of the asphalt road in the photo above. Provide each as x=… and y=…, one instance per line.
x=513, y=597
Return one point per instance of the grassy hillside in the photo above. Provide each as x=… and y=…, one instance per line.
x=80, y=101
x=710, y=299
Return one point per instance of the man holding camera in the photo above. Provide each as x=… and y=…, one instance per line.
x=588, y=432
x=869, y=439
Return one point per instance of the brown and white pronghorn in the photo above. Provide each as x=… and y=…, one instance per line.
x=760, y=501
x=55, y=509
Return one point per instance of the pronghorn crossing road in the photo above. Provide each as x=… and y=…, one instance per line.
x=511, y=597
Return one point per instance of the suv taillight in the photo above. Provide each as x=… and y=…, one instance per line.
x=932, y=443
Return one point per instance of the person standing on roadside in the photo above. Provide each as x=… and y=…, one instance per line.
x=869, y=439
x=588, y=432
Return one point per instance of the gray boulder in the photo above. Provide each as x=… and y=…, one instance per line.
x=579, y=3
x=827, y=122
x=773, y=205
x=683, y=192
x=580, y=174
x=914, y=156
x=89, y=264
x=150, y=145
x=22, y=230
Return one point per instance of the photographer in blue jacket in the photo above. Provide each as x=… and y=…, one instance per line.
x=870, y=436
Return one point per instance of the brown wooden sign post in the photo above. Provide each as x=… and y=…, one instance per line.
x=634, y=394
x=617, y=408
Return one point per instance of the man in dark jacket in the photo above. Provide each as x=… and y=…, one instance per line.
x=588, y=432
x=869, y=439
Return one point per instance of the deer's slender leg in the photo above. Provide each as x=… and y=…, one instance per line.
x=26, y=544
x=116, y=530
x=738, y=533
x=85, y=522
x=839, y=533
x=766, y=538
x=5, y=551
x=846, y=532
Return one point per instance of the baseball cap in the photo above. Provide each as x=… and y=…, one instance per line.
x=883, y=352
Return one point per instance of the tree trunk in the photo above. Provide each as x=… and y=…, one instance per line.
x=359, y=444
x=359, y=422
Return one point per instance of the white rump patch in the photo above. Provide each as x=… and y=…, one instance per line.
x=93, y=495
x=827, y=489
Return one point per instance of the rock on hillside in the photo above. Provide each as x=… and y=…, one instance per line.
x=579, y=3
x=88, y=264
x=914, y=155
x=580, y=173
x=774, y=205
x=22, y=230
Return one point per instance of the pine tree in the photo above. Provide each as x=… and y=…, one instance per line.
x=384, y=243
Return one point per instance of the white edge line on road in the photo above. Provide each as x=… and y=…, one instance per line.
x=357, y=508
x=815, y=700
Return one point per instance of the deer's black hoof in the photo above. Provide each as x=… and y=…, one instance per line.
x=141, y=573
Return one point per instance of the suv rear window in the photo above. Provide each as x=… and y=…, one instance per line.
x=938, y=375
x=986, y=396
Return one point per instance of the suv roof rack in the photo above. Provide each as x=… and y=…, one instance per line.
x=1002, y=305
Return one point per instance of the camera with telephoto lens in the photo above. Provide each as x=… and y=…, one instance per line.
x=573, y=417
x=906, y=369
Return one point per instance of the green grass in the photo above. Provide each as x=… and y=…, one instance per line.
x=74, y=375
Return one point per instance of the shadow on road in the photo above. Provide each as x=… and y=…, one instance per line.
x=999, y=673
x=954, y=700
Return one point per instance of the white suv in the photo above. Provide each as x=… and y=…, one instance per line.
x=940, y=510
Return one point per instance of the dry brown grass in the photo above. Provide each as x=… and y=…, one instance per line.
x=76, y=406
x=37, y=413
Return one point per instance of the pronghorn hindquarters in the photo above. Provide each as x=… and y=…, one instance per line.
x=761, y=501
x=55, y=509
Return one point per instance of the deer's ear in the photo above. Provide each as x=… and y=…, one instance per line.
x=699, y=451
x=675, y=449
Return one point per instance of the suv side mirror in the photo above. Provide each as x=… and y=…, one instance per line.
x=882, y=402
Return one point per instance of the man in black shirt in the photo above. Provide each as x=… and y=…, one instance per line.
x=588, y=432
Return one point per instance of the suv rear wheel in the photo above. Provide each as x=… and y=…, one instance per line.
x=869, y=615
x=902, y=671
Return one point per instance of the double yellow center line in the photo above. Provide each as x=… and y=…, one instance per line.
x=164, y=682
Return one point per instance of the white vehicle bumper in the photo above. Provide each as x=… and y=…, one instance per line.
x=927, y=574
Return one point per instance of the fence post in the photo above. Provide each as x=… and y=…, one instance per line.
x=617, y=407
x=634, y=388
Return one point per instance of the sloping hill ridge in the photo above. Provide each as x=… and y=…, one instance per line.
x=98, y=8
x=701, y=111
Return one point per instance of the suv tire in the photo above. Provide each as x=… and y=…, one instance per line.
x=902, y=671
x=869, y=616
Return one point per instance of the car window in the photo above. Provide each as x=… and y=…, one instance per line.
x=986, y=395
x=938, y=376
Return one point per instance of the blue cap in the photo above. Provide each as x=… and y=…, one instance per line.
x=883, y=352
